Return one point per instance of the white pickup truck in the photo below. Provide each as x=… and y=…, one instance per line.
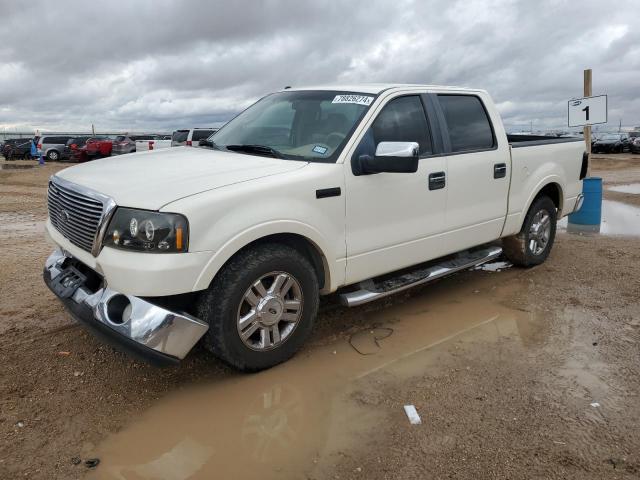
x=360, y=189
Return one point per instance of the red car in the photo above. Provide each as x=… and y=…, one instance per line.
x=99, y=147
x=75, y=150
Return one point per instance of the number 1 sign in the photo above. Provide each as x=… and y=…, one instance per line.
x=587, y=111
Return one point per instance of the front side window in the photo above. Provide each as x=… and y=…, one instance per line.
x=403, y=120
x=467, y=121
x=310, y=125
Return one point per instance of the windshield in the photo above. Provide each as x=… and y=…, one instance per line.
x=311, y=125
x=610, y=137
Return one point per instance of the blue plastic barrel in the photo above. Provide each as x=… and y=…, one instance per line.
x=591, y=211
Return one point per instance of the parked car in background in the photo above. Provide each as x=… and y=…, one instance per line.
x=75, y=150
x=16, y=148
x=191, y=137
x=611, y=143
x=123, y=144
x=52, y=146
x=160, y=141
x=634, y=145
x=99, y=146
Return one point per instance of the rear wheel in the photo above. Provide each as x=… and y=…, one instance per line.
x=53, y=156
x=532, y=245
x=260, y=307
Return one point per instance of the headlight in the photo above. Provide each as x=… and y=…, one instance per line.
x=146, y=231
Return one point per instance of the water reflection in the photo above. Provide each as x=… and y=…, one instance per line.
x=280, y=423
x=617, y=219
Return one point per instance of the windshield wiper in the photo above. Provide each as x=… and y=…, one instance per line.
x=259, y=149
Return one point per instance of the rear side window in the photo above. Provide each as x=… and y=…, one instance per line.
x=403, y=120
x=468, y=123
x=200, y=134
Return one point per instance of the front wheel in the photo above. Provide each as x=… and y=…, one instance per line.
x=260, y=307
x=533, y=244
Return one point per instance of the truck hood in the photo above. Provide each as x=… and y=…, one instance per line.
x=150, y=180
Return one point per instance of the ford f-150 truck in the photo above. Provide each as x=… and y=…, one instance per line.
x=364, y=190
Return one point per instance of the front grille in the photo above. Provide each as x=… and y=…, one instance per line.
x=75, y=215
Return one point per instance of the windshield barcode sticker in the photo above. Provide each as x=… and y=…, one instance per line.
x=357, y=99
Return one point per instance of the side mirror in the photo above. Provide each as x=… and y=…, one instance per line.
x=392, y=157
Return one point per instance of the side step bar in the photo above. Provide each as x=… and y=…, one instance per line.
x=370, y=290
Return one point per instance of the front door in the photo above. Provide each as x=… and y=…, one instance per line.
x=394, y=219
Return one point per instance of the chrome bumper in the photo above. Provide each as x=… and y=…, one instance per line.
x=137, y=322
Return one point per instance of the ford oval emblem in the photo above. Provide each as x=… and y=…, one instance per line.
x=575, y=103
x=64, y=216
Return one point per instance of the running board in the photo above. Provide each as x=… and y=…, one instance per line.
x=370, y=290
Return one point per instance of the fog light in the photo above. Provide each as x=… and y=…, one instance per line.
x=118, y=309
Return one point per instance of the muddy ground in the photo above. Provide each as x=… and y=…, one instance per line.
x=515, y=374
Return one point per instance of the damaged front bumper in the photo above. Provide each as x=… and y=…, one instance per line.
x=136, y=325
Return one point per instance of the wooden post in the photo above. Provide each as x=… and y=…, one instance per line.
x=587, y=128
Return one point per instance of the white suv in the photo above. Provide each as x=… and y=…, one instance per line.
x=191, y=137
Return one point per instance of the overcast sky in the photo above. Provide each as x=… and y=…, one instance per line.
x=162, y=64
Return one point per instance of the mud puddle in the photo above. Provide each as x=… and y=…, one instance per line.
x=633, y=188
x=617, y=219
x=283, y=422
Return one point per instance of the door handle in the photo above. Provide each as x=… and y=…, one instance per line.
x=437, y=180
x=500, y=170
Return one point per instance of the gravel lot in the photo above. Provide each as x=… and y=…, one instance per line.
x=503, y=368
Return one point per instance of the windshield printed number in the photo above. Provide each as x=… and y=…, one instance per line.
x=357, y=99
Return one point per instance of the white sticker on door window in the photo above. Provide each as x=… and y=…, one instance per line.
x=357, y=99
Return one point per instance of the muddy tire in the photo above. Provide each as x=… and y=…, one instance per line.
x=260, y=307
x=532, y=245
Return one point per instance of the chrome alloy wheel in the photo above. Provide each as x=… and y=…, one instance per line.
x=539, y=232
x=269, y=311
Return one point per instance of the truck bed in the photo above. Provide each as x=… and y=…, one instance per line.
x=531, y=140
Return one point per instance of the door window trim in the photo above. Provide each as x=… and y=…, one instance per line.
x=448, y=150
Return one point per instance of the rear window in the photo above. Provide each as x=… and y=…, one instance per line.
x=468, y=123
x=180, y=135
x=77, y=141
x=201, y=134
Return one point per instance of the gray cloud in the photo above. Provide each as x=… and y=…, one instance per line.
x=159, y=65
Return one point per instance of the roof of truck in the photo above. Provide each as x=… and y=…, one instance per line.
x=377, y=88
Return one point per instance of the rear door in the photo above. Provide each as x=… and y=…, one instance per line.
x=478, y=170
